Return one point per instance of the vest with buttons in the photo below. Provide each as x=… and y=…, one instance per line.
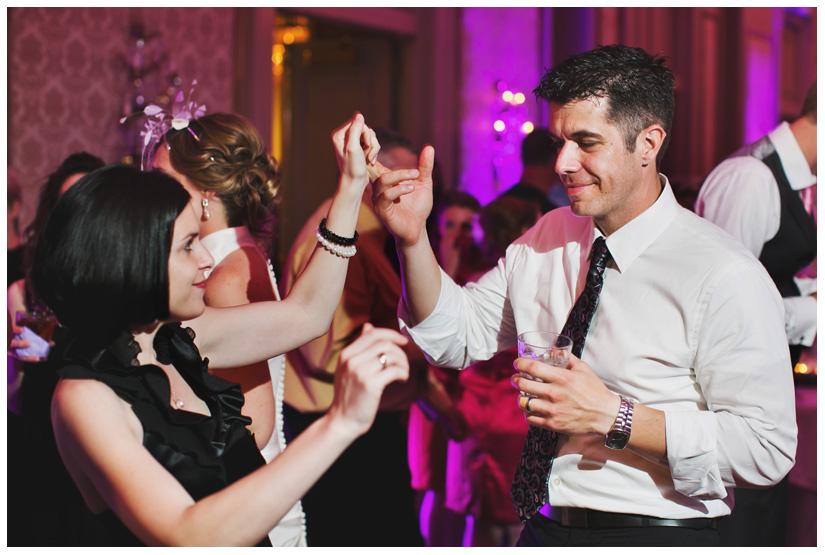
x=794, y=245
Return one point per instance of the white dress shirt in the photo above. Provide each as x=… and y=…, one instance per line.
x=688, y=322
x=741, y=196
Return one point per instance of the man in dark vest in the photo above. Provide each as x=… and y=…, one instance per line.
x=763, y=195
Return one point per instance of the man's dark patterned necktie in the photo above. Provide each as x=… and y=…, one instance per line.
x=529, y=489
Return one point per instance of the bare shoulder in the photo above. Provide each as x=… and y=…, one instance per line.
x=241, y=278
x=81, y=406
x=16, y=297
x=100, y=440
x=72, y=393
x=17, y=287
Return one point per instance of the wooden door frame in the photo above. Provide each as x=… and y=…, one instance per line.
x=430, y=86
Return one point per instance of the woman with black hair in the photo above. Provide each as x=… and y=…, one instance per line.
x=157, y=446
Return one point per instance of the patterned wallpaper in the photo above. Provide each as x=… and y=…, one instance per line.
x=68, y=80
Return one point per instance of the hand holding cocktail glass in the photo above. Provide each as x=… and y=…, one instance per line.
x=561, y=393
x=544, y=346
x=548, y=347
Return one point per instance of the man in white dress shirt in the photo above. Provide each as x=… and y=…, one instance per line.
x=689, y=327
x=761, y=195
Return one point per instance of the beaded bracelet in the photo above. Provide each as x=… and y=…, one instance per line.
x=335, y=238
x=339, y=250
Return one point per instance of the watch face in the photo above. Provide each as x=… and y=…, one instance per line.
x=616, y=439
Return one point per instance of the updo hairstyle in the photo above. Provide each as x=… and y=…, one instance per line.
x=102, y=263
x=230, y=159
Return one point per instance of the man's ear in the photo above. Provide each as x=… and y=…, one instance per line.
x=650, y=142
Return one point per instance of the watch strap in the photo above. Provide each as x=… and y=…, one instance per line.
x=624, y=418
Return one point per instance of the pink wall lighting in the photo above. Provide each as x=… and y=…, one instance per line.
x=500, y=45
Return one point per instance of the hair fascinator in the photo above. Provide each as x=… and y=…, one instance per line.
x=159, y=121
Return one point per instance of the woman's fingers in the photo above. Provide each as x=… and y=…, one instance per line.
x=369, y=142
x=370, y=334
x=378, y=351
x=353, y=140
x=339, y=136
x=366, y=367
x=354, y=134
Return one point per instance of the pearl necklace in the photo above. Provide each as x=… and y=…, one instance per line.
x=178, y=403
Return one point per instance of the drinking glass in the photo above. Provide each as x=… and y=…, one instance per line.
x=546, y=346
x=40, y=323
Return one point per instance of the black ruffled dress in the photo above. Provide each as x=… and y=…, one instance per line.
x=204, y=453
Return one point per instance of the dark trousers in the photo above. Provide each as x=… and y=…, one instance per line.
x=365, y=498
x=758, y=519
x=541, y=531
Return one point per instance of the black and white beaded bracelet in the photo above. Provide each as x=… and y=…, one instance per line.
x=334, y=237
x=344, y=251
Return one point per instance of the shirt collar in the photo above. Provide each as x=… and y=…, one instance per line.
x=629, y=241
x=224, y=241
x=793, y=160
x=229, y=234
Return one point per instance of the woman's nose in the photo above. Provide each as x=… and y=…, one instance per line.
x=206, y=261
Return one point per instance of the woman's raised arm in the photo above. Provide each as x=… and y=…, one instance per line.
x=242, y=335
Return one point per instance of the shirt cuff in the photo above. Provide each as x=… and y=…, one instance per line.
x=800, y=320
x=692, y=454
x=428, y=335
x=403, y=312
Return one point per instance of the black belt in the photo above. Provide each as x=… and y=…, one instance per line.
x=588, y=518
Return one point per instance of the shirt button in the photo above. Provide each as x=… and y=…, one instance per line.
x=556, y=482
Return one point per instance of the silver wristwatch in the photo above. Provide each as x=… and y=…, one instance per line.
x=619, y=434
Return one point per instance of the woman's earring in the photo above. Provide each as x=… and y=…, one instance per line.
x=205, y=203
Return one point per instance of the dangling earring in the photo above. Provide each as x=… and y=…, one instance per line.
x=205, y=203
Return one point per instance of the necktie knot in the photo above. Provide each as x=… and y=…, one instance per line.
x=600, y=255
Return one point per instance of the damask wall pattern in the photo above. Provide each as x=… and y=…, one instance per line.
x=68, y=79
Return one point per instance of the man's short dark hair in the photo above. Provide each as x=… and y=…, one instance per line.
x=458, y=198
x=102, y=264
x=637, y=86
x=537, y=148
x=389, y=138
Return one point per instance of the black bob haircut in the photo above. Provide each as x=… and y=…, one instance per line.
x=638, y=87
x=102, y=264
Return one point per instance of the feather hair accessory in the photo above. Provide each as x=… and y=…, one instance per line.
x=159, y=121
